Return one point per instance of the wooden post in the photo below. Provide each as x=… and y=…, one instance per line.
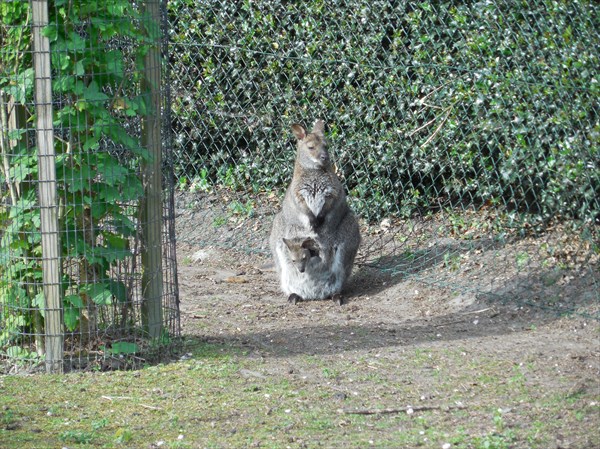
x=47, y=190
x=151, y=213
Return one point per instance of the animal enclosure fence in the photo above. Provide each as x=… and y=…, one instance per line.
x=466, y=133
x=87, y=256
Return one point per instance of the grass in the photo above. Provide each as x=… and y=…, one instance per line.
x=222, y=397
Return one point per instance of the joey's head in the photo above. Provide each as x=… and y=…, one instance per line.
x=312, y=147
x=301, y=250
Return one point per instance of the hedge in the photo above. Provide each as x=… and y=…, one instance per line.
x=428, y=104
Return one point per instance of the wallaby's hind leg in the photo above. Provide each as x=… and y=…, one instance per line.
x=294, y=299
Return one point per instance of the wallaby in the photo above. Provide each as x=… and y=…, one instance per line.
x=301, y=251
x=315, y=267
x=303, y=273
x=315, y=236
x=315, y=194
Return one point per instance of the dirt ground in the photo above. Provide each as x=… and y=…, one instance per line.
x=489, y=303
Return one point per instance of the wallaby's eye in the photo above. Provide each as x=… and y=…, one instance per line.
x=311, y=147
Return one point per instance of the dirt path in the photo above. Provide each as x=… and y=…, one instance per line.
x=402, y=341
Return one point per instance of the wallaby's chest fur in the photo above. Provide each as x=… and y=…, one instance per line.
x=318, y=190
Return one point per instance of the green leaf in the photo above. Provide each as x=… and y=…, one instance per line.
x=92, y=93
x=51, y=32
x=132, y=188
x=98, y=293
x=101, y=255
x=74, y=301
x=114, y=63
x=118, y=289
x=78, y=68
x=111, y=171
x=23, y=168
x=71, y=318
x=39, y=301
x=17, y=352
x=116, y=241
x=21, y=86
x=75, y=42
x=122, y=347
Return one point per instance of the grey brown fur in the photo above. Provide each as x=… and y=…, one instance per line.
x=315, y=236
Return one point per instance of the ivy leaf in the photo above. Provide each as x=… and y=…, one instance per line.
x=102, y=254
x=21, y=87
x=118, y=289
x=51, y=32
x=22, y=168
x=73, y=304
x=111, y=171
x=132, y=188
x=98, y=293
x=114, y=63
x=78, y=68
x=121, y=347
x=92, y=93
x=39, y=301
x=123, y=224
x=71, y=318
x=74, y=301
x=75, y=42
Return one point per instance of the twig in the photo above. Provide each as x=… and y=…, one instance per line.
x=151, y=407
x=477, y=311
x=437, y=130
x=415, y=131
x=449, y=323
x=112, y=398
x=385, y=411
x=421, y=100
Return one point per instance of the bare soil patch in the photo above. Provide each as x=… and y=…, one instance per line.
x=466, y=337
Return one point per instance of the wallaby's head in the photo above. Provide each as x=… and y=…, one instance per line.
x=301, y=250
x=312, y=148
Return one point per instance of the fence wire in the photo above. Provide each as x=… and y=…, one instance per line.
x=111, y=204
x=466, y=133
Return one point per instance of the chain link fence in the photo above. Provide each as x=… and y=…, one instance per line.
x=466, y=133
x=87, y=256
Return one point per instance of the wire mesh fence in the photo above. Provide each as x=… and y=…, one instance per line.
x=467, y=133
x=88, y=269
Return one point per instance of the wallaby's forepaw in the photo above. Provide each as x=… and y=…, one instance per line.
x=315, y=222
x=338, y=299
x=294, y=299
x=319, y=220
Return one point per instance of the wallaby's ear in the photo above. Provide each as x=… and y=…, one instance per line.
x=298, y=131
x=319, y=128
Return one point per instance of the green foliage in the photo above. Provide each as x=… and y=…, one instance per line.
x=96, y=82
x=428, y=104
x=122, y=347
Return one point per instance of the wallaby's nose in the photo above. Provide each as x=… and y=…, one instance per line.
x=324, y=156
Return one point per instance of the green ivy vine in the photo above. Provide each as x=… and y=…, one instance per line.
x=97, y=55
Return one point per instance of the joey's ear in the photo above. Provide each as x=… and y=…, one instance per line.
x=287, y=242
x=298, y=131
x=311, y=245
x=319, y=128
